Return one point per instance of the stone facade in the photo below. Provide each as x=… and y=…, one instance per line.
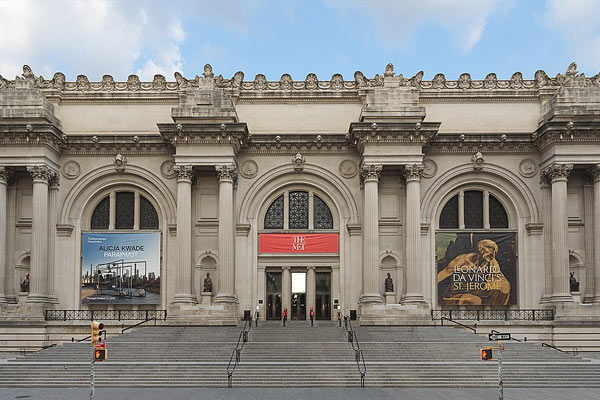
x=384, y=155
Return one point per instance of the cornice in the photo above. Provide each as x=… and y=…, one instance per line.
x=362, y=134
x=215, y=133
x=509, y=142
x=35, y=134
x=562, y=131
x=109, y=144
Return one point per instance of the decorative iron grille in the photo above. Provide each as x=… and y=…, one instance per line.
x=473, y=209
x=104, y=315
x=298, y=210
x=322, y=214
x=498, y=216
x=494, y=315
x=125, y=208
x=449, y=215
x=274, y=215
x=101, y=215
x=148, y=215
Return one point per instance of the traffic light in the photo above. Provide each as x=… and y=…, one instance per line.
x=99, y=354
x=97, y=328
x=486, y=353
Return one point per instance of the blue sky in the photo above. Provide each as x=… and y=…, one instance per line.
x=273, y=37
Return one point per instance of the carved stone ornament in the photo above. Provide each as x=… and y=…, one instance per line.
x=226, y=173
x=71, y=169
x=5, y=175
x=167, y=169
x=413, y=172
x=478, y=160
x=298, y=161
x=370, y=172
x=389, y=70
x=595, y=172
x=557, y=172
x=184, y=172
x=208, y=71
x=348, y=169
x=120, y=160
x=528, y=168
x=429, y=168
x=249, y=169
x=39, y=172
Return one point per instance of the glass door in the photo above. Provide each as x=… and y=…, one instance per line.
x=273, y=306
x=298, y=311
x=323, y=295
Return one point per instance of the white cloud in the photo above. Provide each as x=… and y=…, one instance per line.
x=577, y=22
x=396, y=21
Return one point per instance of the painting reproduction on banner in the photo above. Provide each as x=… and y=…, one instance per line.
x=120, y=268
x=477, y=269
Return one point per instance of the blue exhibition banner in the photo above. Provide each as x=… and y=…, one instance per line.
x=120, y=268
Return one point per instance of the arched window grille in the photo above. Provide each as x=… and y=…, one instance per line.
x=127, y=206
x=473, y=213
x=298, y=209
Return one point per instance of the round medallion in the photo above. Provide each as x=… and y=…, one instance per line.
x=71, y=169
x=167, y=170
x=429, y=168
x=249, y=169
x=348, y=169
x=528, y=168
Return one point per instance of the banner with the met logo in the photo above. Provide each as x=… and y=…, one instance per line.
x=298, y=243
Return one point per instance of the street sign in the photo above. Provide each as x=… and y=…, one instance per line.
x=499, y=336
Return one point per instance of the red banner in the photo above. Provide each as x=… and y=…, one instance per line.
x=298, y=243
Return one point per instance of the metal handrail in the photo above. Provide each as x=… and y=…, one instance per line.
x=358, y=353
x=458, y=323
x=556, y=348
x=243, y=337
x=138, y=324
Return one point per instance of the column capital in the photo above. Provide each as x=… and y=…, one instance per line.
x=226, y=172
x=412, y=172
x=5, y=175
x=556, y=172
x=370, y=172
x=41, y=173
x=310, y=267
x=185, y=173
x=285, y=267
x=595, y=173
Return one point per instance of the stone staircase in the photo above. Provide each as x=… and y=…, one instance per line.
x=298, y=356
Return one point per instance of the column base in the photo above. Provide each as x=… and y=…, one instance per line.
x=226, y=298
x=184, y=298
x=546, y=298
x=37, y=298
x=3, y=299
x=371, y=298
x=561, y=297
x=413, y=298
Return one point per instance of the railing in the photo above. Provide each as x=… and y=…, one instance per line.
x=235, y=355
x=494, y=315
x=358, y=354
x=123, y=328
x=556, y=348
x=474, y=330
x=104, y=315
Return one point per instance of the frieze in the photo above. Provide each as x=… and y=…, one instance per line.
x=310, y=83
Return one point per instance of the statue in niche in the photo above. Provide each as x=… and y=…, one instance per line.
x=573, y=283
x=389, y=283
x=25, y=284
x=207, y=283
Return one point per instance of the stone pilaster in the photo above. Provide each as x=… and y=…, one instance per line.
x=38, y=288
x=310, y=291
x=558, y=173
x=547, y=220
x=4, y=177
x=596, y=177
x=183, y=289
x=52, y=216
x=227, y=178
x=370, y=176
x=414, y=290
x=286, y=290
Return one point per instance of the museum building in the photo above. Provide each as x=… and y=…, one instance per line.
x=382, y=198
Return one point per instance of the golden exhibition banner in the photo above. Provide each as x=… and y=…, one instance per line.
x=476, y=268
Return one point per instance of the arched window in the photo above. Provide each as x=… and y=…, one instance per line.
x=132, y=210
x=477, y=210
x=298, y=209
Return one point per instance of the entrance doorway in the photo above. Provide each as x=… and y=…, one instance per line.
x=323, y=295
x=298, y=311
x=273, y=306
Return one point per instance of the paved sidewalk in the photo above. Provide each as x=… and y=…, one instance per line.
x=301, y=394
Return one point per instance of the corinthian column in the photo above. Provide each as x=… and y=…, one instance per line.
x=558, y=174
x=412, y=175
x=370, y=175
x=38, y=289
x=227, y=177
x=52, y=211
x=547, y=220
x=596, y=176
x=4, y=176
x=183, y=289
